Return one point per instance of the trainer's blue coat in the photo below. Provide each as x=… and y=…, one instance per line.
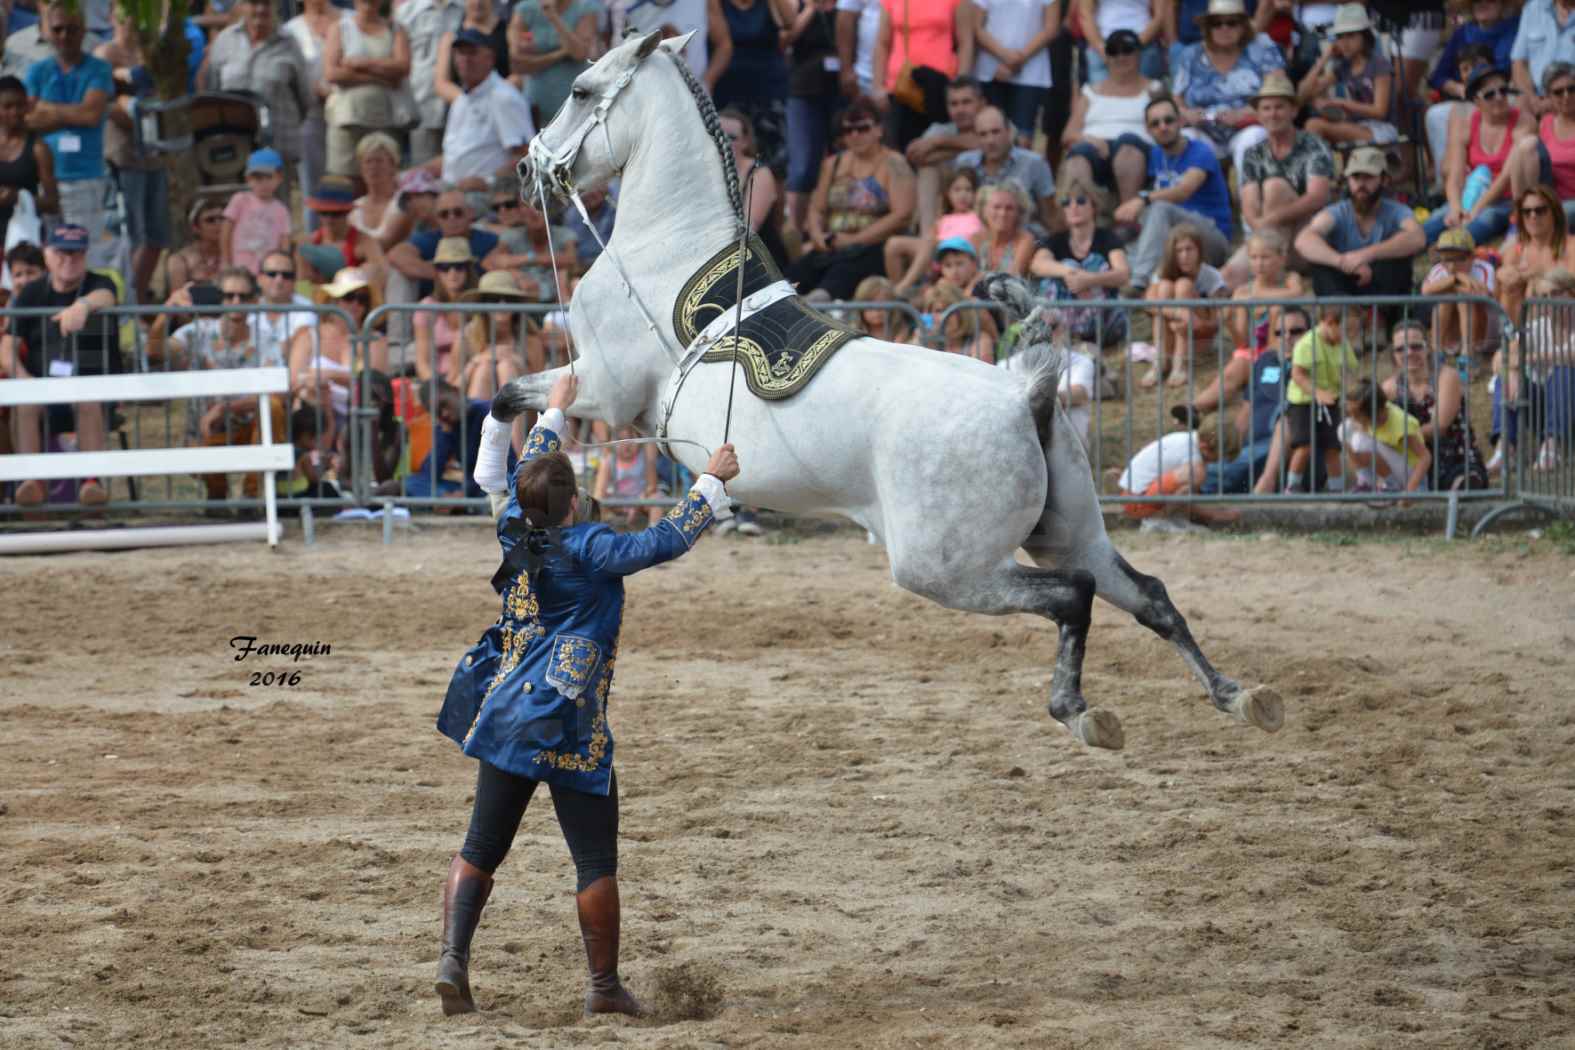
x=531, y=696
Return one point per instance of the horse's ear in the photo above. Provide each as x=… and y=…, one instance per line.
x=647, y=45
x=676, y=44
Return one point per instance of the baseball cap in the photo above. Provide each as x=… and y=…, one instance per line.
x=419, y=180
x=334, y=194
x=1367, y=160
x=264, y=160
x=1123, y=38
x=473, y=37
x=1458, y=239
x=68, y=237
x=955, y=244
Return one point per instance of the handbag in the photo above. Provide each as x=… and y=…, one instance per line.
x=907, y=89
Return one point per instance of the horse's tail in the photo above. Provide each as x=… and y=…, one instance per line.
x=1039, y=362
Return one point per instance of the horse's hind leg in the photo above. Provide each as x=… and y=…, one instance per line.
x=1064, y=596
x=1146, y=599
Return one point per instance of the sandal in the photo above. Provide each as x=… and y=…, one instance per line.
x=30, y=493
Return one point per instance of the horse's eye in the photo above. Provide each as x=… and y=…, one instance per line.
x=580, y=94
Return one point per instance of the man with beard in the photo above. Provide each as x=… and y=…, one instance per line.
x=1363, y=245
x=997, y=160
x=933, y=152
x=1284, y=179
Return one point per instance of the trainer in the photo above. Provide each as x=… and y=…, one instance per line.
x=530, y=699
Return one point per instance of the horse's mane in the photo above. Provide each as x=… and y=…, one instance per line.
x=713, y=127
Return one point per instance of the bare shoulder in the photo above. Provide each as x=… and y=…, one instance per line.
x=898, y=165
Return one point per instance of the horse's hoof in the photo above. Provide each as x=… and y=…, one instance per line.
x=1099, y=728
x=1260, y=706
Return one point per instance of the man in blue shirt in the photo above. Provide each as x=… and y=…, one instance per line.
x=1186, y=186
x=72, y=92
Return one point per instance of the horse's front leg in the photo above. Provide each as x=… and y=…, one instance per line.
x=528, y=393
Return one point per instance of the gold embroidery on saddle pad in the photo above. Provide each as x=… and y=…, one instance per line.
x=781, y=347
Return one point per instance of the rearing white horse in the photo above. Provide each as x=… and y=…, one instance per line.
x=954, y=464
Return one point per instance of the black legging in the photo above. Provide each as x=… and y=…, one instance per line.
x=589, y=823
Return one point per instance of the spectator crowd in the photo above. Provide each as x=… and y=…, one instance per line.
x=1242, y=151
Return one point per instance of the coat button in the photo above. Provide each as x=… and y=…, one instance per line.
x=527, y=687
x=580, y=702
x=469, y=660
x=541, y=632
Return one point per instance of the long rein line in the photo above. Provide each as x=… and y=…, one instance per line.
x=738, y=306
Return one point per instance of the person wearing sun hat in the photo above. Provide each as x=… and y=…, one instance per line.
x=437, y=333
x=332, y=200
x=1364, y=244
x=1352, y=86
x=1286, y=178
x=1458, y=271
x=1216, y=77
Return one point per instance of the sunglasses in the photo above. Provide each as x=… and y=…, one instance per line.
x=236, y=297
x=1415, y=348
x=863, y=125
x=505, y=204
x=1120, y=50
x=499, y=300
x=1162, y=122
x=451, y=213
x=451, y=267
x=288, y=275
x=361, y=299
x=1560, y=92
x=209, y=220
x=1497, y=92
x=1297, y=333
x=1534, y=209
x=1067, y=202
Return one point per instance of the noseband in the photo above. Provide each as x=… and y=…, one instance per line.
x=554, y=166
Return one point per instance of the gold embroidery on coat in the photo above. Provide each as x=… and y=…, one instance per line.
x=597, y=748
x=513, y=649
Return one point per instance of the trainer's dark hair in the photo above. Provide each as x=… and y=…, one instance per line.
x=545, y=487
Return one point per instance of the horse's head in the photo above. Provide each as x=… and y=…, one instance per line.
x=582, y=148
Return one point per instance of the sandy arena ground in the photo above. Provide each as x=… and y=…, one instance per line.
x=848, y=820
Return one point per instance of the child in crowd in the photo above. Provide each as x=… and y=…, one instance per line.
x=432, y=442
x=892, y=326
x=1352, y=84
x=629, y=473
x=1251, y=326
x=908, y=258
x=959, y=263
x=1312, y=412
x=1178, y=329
x=316, y=462
x=1383, y=441
x=1172, y=465
x=1460, y=327
x=971, y=333
x=256, y=222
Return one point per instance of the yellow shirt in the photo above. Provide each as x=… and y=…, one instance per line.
x=1323, y=361
x=1397, y=426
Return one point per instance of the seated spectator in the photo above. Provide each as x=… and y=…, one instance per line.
x=865, y=194
x=1174, y=465
x=377, y=213
x=1479, y=149
x=1085, y=263
x=26, y=166
x=255, y=55
x=366, y=62
x=550, y=42
x=332, y=201
x=321, y=357
x=412, y=259
x=958, y=261
x=1549, y=353
x=1286, y=178
x=489, y=126
x=1179, y=330
x=1217, y=76
x=437, y=334
x=1548, y=157
x=1259, y=375
x=891, y=325
x=934, y=153
x=432, y=442
x=256, y=221
x=1362, y=245
x=1188, y=189
x=1490, y=26
x=1322, y=363
x=318, y=264
x=1383, y=442
x=71, y=342
x=529, y=245
x=203, y=257
x=1542, y=39
x=1004, y=244
x=498, y=346
x=1011, y=41
x=1351, y=89
x=1183, y=23
x=1428, y=386
x=908, y=259
x=971, y=333
x=765, y=198
x=1079, y=383
x=1460, y=328
x=997, y=160
x=599, y=206
x=272, y=330
x=710, y=47
x=1544, y=241
x=1106, y=138
x=629, y=473
x=24, y=264
x=1251, y=328
x=1144, y=20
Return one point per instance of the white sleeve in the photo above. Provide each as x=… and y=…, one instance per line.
x=511, y=116
x=492, y=458
x=710, y=486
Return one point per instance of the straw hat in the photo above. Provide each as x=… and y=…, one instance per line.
x=1458, y=239
x=1350, y=18
x=346, y=281
x=498, y=283
x=1275, y=85
x=453, y=250
x=1233, y=10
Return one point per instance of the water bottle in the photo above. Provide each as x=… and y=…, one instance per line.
x=1476, y=185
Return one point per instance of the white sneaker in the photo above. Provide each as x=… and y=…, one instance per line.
x=727, y=526
x=1548, y=455
x=1495, y=465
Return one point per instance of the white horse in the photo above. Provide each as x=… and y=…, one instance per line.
x=953, y=464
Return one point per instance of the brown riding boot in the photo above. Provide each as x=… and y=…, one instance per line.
x=465, y=893
x=599, y=917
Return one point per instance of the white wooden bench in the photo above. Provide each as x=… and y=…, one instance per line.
x=266, y=457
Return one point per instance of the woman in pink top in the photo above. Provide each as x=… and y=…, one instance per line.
x=1481, y=137
x=1548, y=158
x=936, y=36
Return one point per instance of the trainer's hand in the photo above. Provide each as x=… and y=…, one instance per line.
x=563, y=392
x=724, y=464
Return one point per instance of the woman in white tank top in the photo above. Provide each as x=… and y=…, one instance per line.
x=1107, y=136
x=366, y=61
